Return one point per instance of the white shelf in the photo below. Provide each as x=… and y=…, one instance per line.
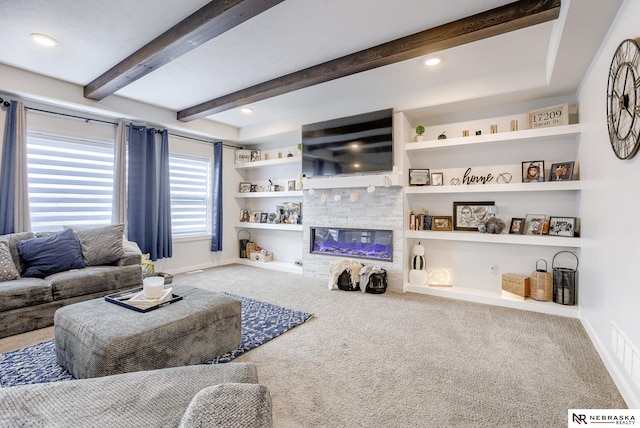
x=502, y=238
x=525, y=136
x=285, y=194
x=279, y=266
x=547, y=186
x=269, y=163
x=269, y=226
x=494, y=298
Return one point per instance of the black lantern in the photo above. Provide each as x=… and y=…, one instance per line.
x=564, y=282
x=243, y=241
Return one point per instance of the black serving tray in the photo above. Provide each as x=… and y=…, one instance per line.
x=122, y=297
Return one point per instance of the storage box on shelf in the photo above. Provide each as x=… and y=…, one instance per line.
x=490, y=153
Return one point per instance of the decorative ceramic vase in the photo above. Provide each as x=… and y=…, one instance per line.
x=418, y=272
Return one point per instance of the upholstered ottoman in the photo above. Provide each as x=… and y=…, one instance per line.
x=98, y=338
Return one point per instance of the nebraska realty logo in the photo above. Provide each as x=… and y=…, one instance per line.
x=582, y=417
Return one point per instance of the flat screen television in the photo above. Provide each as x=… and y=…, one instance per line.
x=357, y=144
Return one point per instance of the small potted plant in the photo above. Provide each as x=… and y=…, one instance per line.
x=419, y=131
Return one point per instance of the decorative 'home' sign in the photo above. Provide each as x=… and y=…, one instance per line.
x=469, y=178
x=549, y=116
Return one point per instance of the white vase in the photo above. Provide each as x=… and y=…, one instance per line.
x=419, y=137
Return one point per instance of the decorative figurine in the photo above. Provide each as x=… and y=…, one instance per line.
x=418, y=272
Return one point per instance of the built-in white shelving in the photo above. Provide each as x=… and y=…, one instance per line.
x=501, y=238
x=524, y=136
x=270, y=235
x=279, y=266
x=270, y=226
x=547, y=186
x=284, y=194
x=473, y=283
x=494, y=298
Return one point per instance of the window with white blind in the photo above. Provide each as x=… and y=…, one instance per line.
x=190, y=179
x=70, y=182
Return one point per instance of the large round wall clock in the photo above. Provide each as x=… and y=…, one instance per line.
x=623, y=100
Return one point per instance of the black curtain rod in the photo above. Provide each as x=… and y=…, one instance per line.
x=88, y=119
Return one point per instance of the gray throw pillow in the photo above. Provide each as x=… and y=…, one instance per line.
x=8, y=270
x=101, y=245
x=12, y=239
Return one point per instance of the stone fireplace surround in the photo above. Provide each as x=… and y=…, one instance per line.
x=382, y=209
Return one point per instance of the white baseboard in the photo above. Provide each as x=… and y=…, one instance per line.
x=621, y=380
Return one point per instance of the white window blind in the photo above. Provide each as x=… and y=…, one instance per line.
x=70, y=182
x=190, y=179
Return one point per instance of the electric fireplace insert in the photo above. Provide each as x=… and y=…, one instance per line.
x=358, y=243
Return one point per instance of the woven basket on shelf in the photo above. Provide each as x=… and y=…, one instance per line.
x=541, y=283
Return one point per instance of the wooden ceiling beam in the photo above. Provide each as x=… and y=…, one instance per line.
x=510, y=17
x=205, y=24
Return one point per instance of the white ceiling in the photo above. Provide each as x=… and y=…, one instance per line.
x=546, y=60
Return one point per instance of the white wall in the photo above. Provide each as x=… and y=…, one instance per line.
x=609, y=290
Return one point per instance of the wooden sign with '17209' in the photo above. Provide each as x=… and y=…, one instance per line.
x=549, y=116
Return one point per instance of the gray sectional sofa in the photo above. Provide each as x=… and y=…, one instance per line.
x=218, y=395
x=30, y=293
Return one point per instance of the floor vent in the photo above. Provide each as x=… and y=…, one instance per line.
x=626, y=353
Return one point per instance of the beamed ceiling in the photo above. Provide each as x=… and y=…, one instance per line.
x=299, y=61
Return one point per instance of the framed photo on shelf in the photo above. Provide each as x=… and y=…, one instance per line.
x=290, y=212
x=418, y=177
x=561, y=171
x=291, y=185
x=255, y=155
x=273, y=218
x=536, y=224
x=263, y=217
x=533, y=171
x=562, y=226
x=245, y=187
x=244, y=215
x=437, y=178
x=439, y=222
x=243, y=156
x=255, y=216
x=517, y=226
x=468, y=215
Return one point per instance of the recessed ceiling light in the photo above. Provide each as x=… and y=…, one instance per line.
x=246, y=110
x=43, y=40
x=433, y=61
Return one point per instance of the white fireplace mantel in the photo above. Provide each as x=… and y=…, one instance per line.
x=341, y=182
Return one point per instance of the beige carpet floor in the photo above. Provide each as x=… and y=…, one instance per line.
x=406, y=360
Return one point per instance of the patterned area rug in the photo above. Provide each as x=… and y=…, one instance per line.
x=261, y=322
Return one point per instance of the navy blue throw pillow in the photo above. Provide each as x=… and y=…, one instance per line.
x=53, y=254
